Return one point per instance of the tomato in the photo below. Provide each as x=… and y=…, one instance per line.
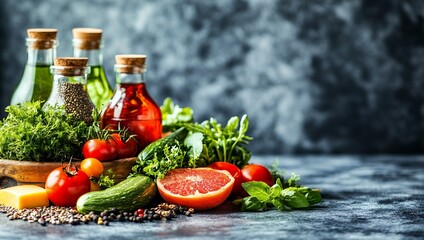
x=92, y=167
x=256, y=172
x=65, y=185
x=102, y=150
x=125, y=149
x=94, y=187
x=234, y=171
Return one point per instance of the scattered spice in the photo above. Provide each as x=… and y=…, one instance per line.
x=67, y=215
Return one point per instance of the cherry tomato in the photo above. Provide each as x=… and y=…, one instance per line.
x=65, y=185
x=256, y=172
x=125, y=149
x=234, y=171
x=92, y=167
x=101, y=150
x=94, y=187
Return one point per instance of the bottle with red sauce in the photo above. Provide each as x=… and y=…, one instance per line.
x=131, y=106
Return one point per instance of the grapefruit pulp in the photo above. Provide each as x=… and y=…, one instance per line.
x=198, y=188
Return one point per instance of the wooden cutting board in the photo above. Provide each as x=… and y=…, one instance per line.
x=13, y=173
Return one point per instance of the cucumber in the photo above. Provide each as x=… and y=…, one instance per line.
x=148, y=153
x=132, y=193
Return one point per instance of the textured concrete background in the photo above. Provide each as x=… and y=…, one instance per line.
x=314, y=76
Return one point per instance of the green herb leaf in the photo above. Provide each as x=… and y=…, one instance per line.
x=279, y=183
x=195, y=142
x=294, y=199
x=107, y=179
x=244, y=125
x=232, y=124
x=276, y=190
x=253, y=204
x=259, y=190
x=173, y=117
x=313, y=197
x=293, y=180
x=279, y=204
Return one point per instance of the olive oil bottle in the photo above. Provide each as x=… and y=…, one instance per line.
x=36, y=81
x=88, y=43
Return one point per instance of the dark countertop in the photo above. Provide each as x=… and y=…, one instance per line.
x=364, y=198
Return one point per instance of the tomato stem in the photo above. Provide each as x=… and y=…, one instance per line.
x=68, y=169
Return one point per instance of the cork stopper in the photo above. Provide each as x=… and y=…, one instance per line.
x=70, y=66
x=41, y=38
x=130, y=63
x=71, y=61
x=87, y=38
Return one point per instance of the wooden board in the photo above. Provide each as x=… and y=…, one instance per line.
x=14, y=172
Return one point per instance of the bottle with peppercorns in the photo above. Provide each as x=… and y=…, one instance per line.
x=70, y=88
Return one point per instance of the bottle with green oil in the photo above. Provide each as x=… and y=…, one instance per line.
x=88, y=43
x=36, y=82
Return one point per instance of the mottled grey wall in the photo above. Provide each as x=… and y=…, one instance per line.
x=313, y=76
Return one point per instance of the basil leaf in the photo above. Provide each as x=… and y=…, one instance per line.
x=294, y=199
x=259, y=190
x=279, y=183
x=279, y=204
x=313, y=197
x=276, y=190
x=252, y=204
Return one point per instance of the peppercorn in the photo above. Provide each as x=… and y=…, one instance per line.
x=65, y=215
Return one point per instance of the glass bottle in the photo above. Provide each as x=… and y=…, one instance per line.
x=131, y=106
x=88, y=43
x=36, y=81
x=70, y=87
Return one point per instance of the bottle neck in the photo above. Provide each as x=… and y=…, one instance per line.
x=70, y=74
x=41, y=56
x=95, y=56
x=132, y=78
x=70, y=79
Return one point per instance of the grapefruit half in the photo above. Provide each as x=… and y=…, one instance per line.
x=198, y=188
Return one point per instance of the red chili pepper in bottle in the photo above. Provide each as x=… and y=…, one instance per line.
x=131, y=105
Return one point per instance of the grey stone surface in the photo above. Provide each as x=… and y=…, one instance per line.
x=364, y=198
x=313, y=76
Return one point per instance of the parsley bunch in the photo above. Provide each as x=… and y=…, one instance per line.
x=33, y=133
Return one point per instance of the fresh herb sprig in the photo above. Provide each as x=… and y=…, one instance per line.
x=262, y=197
x=173, y=116
x=31, y=132
x=206, y=143
x=107, y=179
x=226, y=144
x=292, y=181
x=174, y=157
